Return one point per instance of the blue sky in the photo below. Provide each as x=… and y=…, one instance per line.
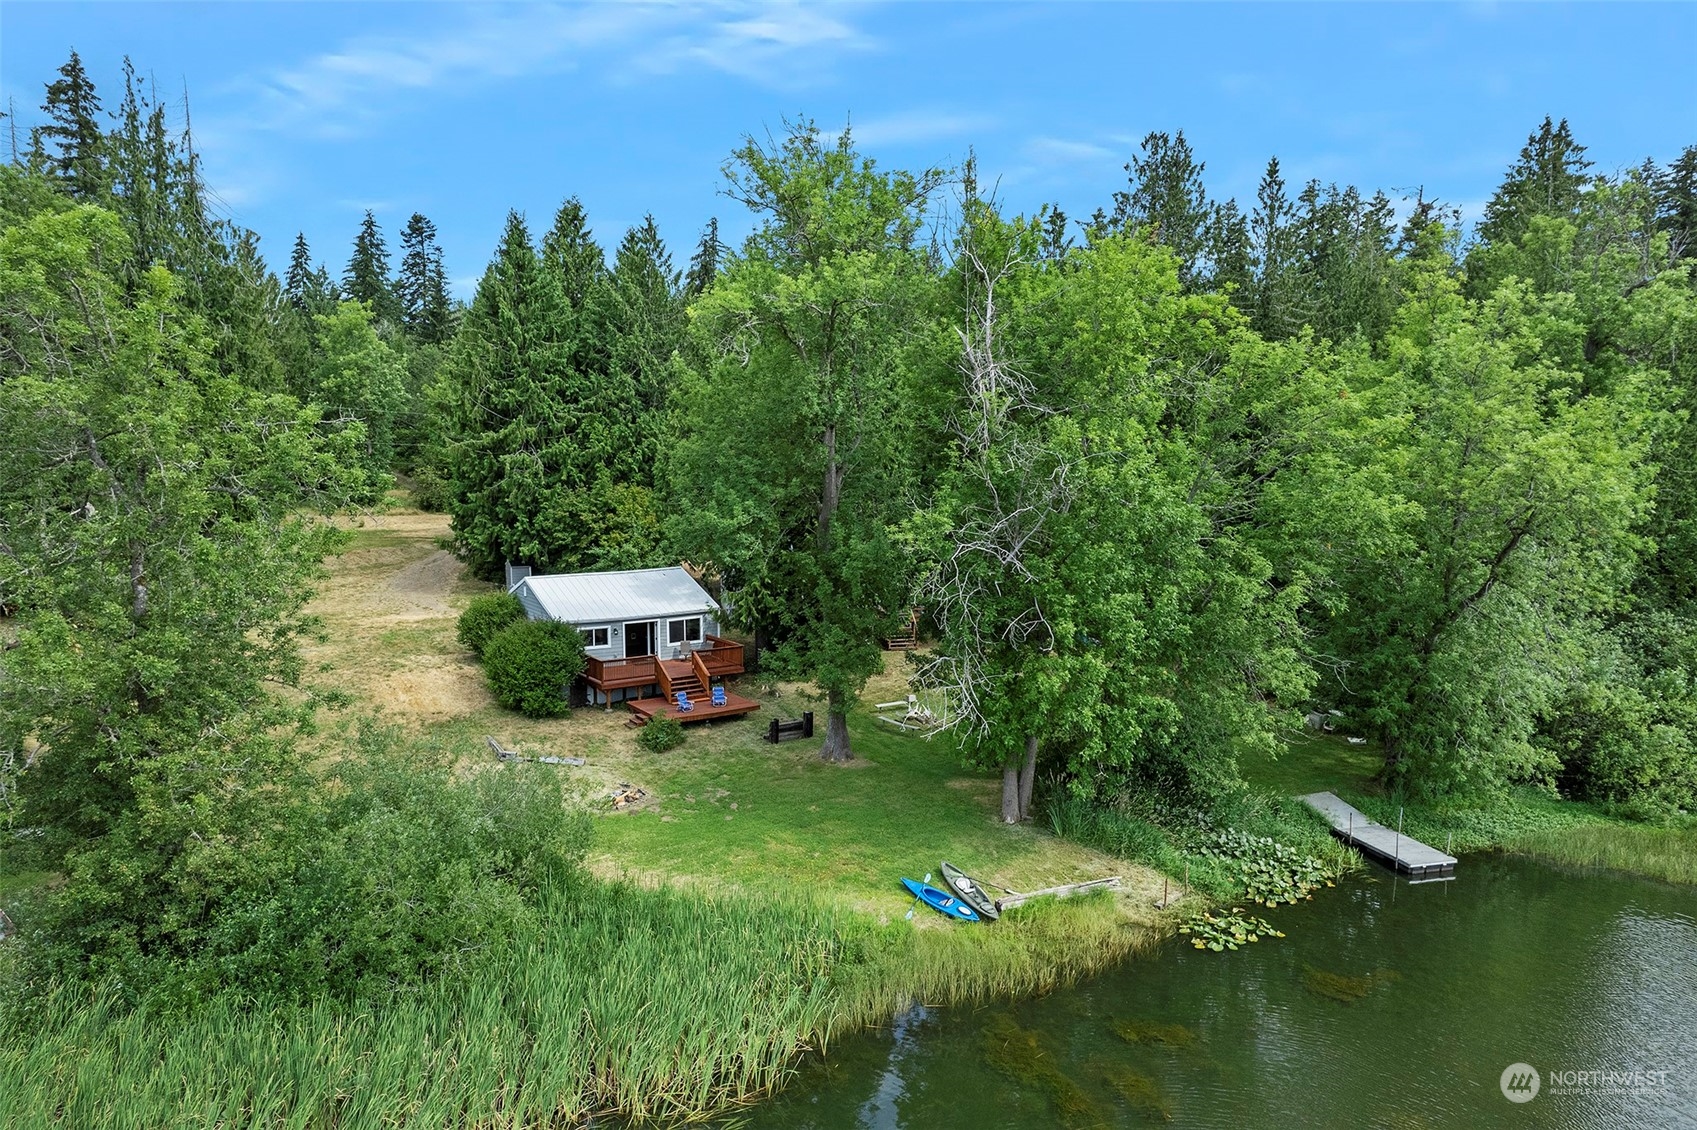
x=307, y=114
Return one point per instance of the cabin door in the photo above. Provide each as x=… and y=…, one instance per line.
x=639, y=639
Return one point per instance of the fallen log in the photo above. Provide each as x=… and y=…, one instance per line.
x=511, y=755
x=1066, y=890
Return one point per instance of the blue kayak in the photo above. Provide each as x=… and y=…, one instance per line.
x=941, y=901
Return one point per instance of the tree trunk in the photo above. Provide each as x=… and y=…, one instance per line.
x=831, y=492
x=1010, y=791
x=1026, y=773
x=836, y=746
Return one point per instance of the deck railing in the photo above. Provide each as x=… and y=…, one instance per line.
x=611, y=674
x=721, y=656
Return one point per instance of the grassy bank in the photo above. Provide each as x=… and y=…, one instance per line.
x=1187, y=848
x=746, y=910
x=1524, y=822
x=656, y=1003
x=1564, y=832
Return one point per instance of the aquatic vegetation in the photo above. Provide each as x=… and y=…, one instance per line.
x=1270, y=872
x=1139, y=1091
x=1151, y=1032
x=1342, y=987
x=1227, y=931
x=1018, y=1053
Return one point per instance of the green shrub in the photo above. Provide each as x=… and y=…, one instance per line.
x=485, y=616
x=430, y=491
x=530, y=666
x=376, y=874
x=663, y=732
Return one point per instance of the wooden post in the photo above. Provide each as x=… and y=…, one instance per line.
x=1396, y=856
x=1449, y=838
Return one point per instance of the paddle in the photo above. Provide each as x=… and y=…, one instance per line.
x=915, y=905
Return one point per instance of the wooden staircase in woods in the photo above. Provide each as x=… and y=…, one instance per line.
x=905, y=638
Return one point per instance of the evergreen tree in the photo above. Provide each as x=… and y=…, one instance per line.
x=422, y=285
x=1231, y=259
x=147, y=178
x=579, y=269
x=572, y=256
x=298, y=284
x=367, y=276
x=1056, y=241
x=503, y=372
x=704, y=264
x=1166, y=199
x=1546, y=181
x=643, y=322
x=1676, y=204
x=74, y=142
x=1269, y=228
x=542, y=430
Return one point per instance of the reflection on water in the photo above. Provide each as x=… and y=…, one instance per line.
x=882, y=1111
x=1387, y=1005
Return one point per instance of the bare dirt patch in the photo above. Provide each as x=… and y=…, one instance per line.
x=427, y=584
x=433, y=688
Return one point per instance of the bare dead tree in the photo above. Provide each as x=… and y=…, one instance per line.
x=1018, y=486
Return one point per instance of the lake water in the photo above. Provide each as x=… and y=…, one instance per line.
x=1443, y=986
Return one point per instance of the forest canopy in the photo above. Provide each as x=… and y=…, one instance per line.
x=1162, y=481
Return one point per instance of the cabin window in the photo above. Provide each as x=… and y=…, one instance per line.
x=593, y=637
x=684, y=631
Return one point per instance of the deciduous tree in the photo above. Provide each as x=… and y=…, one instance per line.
x=790, y=465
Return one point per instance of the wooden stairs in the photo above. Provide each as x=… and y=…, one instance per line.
x=681, y=676
x=907, y=637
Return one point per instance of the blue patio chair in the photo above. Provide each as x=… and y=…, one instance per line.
x=718, y=696
x=684, y=703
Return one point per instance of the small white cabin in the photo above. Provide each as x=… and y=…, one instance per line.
x=625, y=614
x=634, y=623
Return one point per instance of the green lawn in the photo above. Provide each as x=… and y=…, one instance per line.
x=733, y=808
x=1313, y=762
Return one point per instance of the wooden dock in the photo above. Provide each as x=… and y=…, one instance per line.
x=1384, y=845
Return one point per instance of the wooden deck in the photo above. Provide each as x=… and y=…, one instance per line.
x=704, y=710
x=1385, y=845
x=719, y=657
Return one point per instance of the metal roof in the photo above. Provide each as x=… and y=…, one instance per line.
x=630, y=594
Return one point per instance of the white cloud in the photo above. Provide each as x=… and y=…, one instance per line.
x=777, y=44
x=351, y=90
x=341, y=93
x=913, y=127
x=1059, y=150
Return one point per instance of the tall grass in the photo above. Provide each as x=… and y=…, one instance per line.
x=1032, y=949
x=1529, y=823
x=648, y=1002
x=1666, y=853
x=653, y=1003
x=1164, y=840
